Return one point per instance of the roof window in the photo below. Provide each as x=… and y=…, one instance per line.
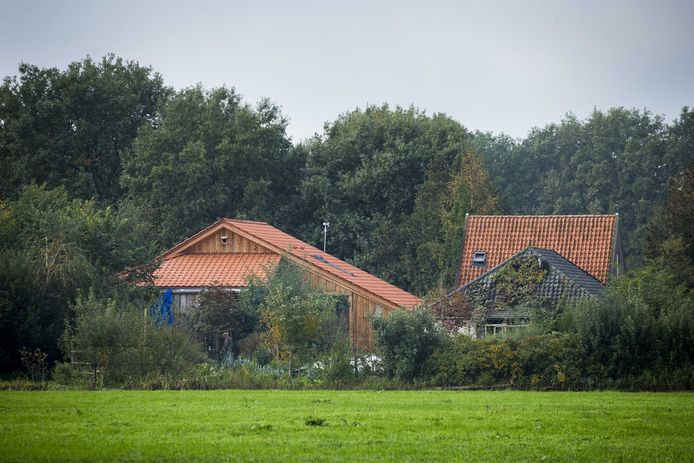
x=325, y=261
x=479, y=258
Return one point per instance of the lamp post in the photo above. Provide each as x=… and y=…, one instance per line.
x=325, y=234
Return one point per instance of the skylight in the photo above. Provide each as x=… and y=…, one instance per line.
x=325, y=261
x=479, y=258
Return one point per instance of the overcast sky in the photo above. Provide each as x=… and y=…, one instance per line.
x=502, y=66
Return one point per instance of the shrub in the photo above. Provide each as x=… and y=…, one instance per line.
x=638, y=335
x=405, y=340
x=220, y=310
x=299, y=323
x=534, y=362
x=34, y=362
x=338, y=365
x=643, y=327
x=110, y=344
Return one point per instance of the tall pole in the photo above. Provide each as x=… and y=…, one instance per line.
x=325, y=234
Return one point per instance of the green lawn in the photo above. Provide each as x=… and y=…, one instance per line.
x=358, y=426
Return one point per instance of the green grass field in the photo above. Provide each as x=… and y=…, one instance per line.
x=345, y=426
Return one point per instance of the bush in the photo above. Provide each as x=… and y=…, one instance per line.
x=338, y=365
x=553, y=361
x=641, y=331
x=109, y=344
x=219, y=310
x=405, y=340
x=299, y=323
x=638, y=336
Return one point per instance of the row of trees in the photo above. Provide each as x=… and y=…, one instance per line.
x=394, y=182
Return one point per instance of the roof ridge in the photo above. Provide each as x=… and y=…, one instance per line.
x=228, y=219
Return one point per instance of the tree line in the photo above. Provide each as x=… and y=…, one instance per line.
x=104, y=166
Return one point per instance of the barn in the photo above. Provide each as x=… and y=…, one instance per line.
x=229, y=251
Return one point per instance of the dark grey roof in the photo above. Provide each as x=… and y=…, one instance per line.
x=570, y=271
x=564, y=279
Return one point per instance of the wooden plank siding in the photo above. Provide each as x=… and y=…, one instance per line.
x=361, y=308
x=235, y=244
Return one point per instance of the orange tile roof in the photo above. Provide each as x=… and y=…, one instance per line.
x=587, y=241
x=297, y=250
x=271, y=236
x=203, y=270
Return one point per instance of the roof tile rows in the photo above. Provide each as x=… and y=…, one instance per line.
x=584, y=240
x=276, y=238
x=204, y=270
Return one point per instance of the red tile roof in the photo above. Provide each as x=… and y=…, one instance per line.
x=587, y=241
x=294, y=249
x=203, y=270
x=272, y=237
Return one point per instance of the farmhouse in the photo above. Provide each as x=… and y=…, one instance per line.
x=507, y=259
x=230, y=251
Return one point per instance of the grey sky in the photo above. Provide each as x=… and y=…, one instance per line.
x=500, y=66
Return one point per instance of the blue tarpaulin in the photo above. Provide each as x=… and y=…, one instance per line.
x=162, y=310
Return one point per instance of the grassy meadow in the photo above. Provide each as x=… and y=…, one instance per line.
x=345, y=426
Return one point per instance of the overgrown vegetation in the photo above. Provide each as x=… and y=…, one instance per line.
x=405, y=340
x=300, y=324
x=111, y=343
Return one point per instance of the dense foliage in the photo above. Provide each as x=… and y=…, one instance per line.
x=642, y=328
x=395, y=185
x=51, y=246
x=638, y=335
x=210, y=155
x=219, y=310
x=108, y=344
x=68, y=128
x=671, y=231
x=405, y=340
x=300, y=323
x=530, y=362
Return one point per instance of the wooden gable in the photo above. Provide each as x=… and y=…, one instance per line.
x=225, y=240
x=219, y=238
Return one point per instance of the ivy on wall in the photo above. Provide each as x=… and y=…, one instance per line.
x=510, y=289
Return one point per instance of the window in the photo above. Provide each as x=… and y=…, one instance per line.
x=479, y=258
x=185, y=302
x=492, y=329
